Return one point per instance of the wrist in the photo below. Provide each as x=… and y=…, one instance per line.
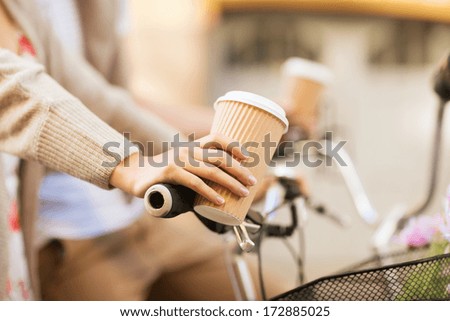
x=124, y=175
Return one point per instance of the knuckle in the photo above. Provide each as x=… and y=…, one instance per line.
x=197, y=183
x=170, y=167
x=169, y=170
x=217, y=161
x=229, y=162
x=212, y=172
x=212, y=144
x=219, y=155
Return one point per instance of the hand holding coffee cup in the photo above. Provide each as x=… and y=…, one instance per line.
x=257, y=124
x=302, y=84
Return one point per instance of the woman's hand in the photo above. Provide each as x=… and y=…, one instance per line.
x=214, y=157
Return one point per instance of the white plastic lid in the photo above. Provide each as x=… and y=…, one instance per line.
x=257, y=101
x=298, y=67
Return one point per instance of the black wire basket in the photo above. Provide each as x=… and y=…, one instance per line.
x=404, y=278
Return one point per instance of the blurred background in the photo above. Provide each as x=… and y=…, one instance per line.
x=382, y=55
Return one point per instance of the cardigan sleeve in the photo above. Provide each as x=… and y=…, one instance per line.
x=40, y=120
x=112, y=104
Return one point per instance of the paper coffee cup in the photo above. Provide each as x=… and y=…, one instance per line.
x=248, y=119
x=302, y=84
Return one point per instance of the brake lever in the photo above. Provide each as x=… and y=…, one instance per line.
x=244, y=240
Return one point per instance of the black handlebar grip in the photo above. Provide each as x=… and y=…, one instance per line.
x=442, y=80
x=166, y=200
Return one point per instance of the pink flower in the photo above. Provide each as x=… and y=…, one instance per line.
x=420, y=231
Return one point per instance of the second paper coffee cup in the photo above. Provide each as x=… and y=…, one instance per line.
x=303, y=82
x=251, y=120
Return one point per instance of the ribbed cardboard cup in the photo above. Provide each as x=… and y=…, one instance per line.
x=248, y=119
x=302, y=84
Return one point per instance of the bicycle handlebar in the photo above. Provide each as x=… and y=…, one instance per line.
x=168, y=201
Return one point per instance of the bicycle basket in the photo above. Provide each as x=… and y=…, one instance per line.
x=423, y=279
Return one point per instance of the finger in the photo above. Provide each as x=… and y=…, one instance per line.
x=225, y=143
x=196, y=184
x=225, y=161
x=218, y=176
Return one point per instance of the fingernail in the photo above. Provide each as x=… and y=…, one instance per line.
x=220, y=200
x=252, y=180
x=244, y=191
